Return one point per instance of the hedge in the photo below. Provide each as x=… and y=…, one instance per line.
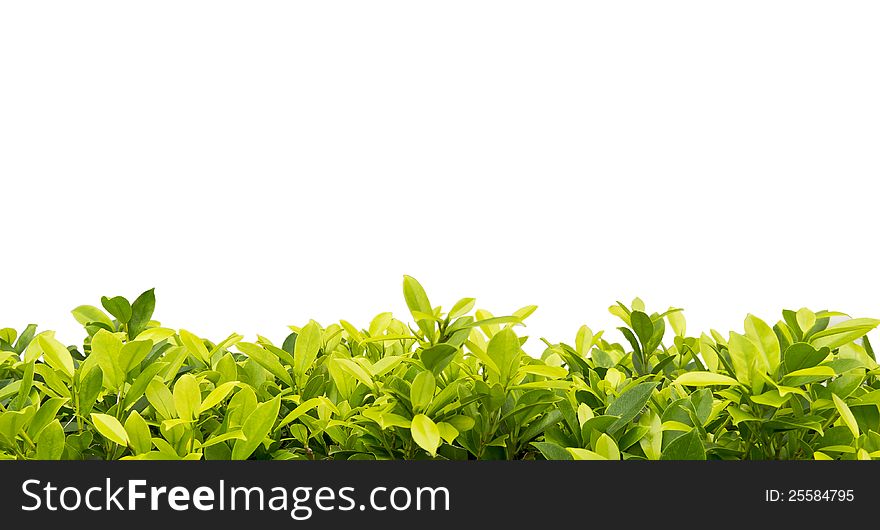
x=451, y=385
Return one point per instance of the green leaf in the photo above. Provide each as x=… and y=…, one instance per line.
x=785, y=423
x=505, y=351
x=300, y=410
x=801, y=355
x=844, y=332
x=771, y=398
x=643, y=327
x=141, y=312
x=447, y=432
x=225, y=437
x=704, y=379
x=422, y=390
x=217, y=395
x=267, y=360
x=688, y=446
x=584, y=454
x=137, y=389
x=106, y=348
x=138, y=433
x=110, y=428
x=356, y=370
x=418, y=304
x=385, y=365
x=27, y=383
x=708, y=353
x=50, y=442
x=156, y=335
x=677, y=322
x=256, y=427
x=119, y=307
x=132, y=354
x=806, y=319
x=846, y=415
x=808, y=375
x=425, y=433
x=56, y=355
x=652, y=442
x=744, y=354
x=195, y=346
x=554, y=372
x=766, y=340
x=86, y=314
x=438, y=357
x=462, y=307
x=187, y=397
x=628, y=405
x=12, y=422
x=551, y=451
x=583, y=341
x=44, y=416
x=90, y=385
x=308, y=343
x=161, y=399
x=414, y=294
x=607, y=447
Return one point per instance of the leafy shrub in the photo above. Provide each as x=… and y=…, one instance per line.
x=454, y=385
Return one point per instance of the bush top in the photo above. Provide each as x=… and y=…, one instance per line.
x=450, y=384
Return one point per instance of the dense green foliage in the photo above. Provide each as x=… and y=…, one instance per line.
x=454, y=385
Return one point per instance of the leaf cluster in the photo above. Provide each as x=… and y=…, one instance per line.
x=453, y=385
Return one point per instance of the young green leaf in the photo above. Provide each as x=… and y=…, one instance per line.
x=106, y=348
x=86, y=314
x=607, y=447
x=422, y=391
x=438, y=357
x=551, y=451
x=688, y=446
x=305, y=351
x=705, y=379
x=195, y=346
x=110, y=428
x=256, y=427
x=56, y=355
x=846, y=415
x=425, y=433
x=141, y=313
x=161, y=399
x=505, y=351
x=418, y=304
x=628, y=405
x=267, y=360
x=138, y=433
x=187, y=397
x=50, y=442
x=117, y=306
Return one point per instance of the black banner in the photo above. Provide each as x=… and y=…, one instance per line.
x=424, y=494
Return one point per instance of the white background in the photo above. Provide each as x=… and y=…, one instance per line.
x=262, y=163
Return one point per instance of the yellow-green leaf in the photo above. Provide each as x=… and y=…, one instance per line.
x=187, y=397
x=305, y=351
x=704, y=379
x=56, y=355
x=110, y=428
x=846, y=415
x=195, y=346
x=138, y=433
x=217, y=395
x=584, y=454
x=607, y=447
x=425, y=433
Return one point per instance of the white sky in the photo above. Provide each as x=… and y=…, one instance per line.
x=263, y=164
